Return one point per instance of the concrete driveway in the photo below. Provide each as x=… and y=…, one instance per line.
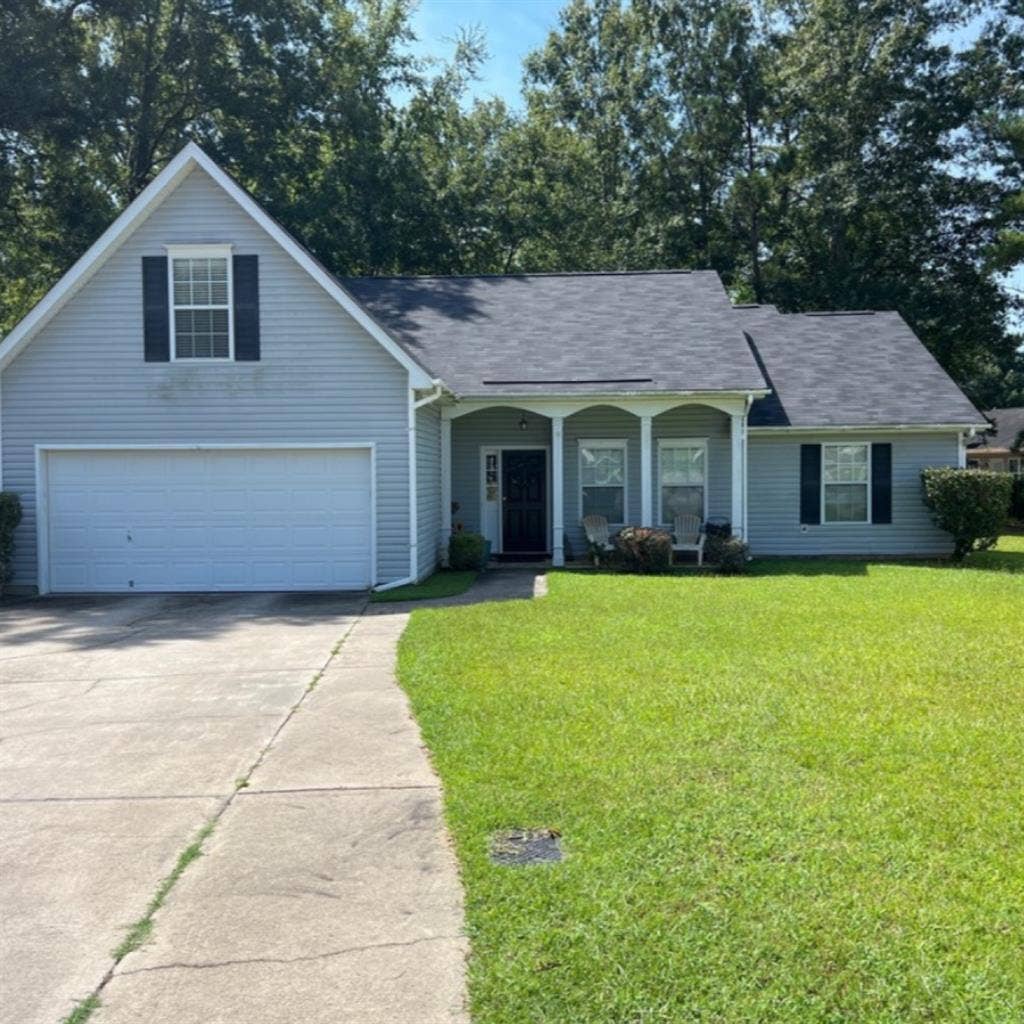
x=326, y=891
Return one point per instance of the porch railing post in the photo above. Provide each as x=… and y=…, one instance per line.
x=646, y=488
x=446, y=486
x=557, y=493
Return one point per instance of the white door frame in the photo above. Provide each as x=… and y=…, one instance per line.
x=42, y=451
x=485, y=450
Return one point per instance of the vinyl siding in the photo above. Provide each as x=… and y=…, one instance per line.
x=470, y=433
x=607, y=422
x=321, y=378
x=600, y=422
x=701, y=421
x=774, y=499
x=499, y=426
x=428, y=488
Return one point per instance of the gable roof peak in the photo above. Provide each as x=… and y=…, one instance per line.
x=191, y=156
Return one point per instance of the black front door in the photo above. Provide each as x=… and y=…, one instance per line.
x=524, y=501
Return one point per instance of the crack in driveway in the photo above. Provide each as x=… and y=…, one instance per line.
x=206, y=965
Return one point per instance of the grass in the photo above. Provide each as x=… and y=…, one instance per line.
x=83, y=1011
x=140, y=932
x=794, y=796
x=446, y=583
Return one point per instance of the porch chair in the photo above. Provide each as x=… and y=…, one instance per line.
x=596, y=529
x=688, y=535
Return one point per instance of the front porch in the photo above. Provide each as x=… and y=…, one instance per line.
x=524, y=472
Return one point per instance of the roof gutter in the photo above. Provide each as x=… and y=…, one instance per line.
x=534, y=396
x=861, y=428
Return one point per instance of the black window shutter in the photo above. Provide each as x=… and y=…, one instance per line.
x=247, y=308
x=810, y=483
x=881, y=483
x=155, y=310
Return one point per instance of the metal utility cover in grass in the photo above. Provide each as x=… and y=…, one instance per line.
x=519, y=847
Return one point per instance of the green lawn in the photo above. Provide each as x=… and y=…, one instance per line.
x=445, y=583
x=796, y=796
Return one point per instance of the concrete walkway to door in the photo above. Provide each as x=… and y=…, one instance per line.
x=326, y=891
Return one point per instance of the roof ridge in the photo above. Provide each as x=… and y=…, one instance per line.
x=539, y=273
x=838, y=312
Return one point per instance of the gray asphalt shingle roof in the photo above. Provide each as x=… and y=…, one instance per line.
x=1009, y=424
x=591, y=333
x=850, y=369
x=662, y=331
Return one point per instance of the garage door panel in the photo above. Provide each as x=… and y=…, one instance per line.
x=209, y=520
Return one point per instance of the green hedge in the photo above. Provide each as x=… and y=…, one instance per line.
x=467, y=551
x=970, y=504
x=644, y=549
x=10, y=516
x=729, y=555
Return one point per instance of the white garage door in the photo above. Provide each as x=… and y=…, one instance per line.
x=211, y=519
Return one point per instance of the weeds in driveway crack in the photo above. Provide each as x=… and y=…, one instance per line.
x=141, y=931
x=143, y=928
x=83, y=1011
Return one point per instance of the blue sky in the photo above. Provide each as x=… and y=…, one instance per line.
x=512, y=28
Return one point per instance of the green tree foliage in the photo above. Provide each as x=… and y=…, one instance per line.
x=817, y=153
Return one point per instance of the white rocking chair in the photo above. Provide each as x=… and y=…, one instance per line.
x=596, y=529
x=688, y=535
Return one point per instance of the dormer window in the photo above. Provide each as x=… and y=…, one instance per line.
x=201, y=299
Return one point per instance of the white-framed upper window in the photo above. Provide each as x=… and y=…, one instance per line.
x=603, y=479
x=682, y=478
x=202, y=320
x=846, y=483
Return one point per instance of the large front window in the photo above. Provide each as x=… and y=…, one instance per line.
x=845, y=482
x=682, y=468
x=603, y=480
x=201, y=302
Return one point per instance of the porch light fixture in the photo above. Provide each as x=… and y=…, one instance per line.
x=522, y=423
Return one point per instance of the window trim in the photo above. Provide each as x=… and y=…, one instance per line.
x=680, y=442
x=621, y=443
x=183, y=252
x=868, y=521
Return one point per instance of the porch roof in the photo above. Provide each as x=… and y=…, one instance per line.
x=589, y=333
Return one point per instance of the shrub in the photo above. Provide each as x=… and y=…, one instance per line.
x=467, y=551
x=644, y=549
x=10, y=516
x=729, y=555
x=970, y=504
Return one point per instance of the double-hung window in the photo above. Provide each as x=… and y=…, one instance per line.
x=201, y=317
x=846, y=476
x=682, y=478
x=603, y=480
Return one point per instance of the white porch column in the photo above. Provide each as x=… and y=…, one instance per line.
x=557, y=493
x=739, y=473
x=646, y=488
x=446, y=486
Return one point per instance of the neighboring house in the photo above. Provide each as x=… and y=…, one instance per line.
x=198, y=405
x=1001, y=447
